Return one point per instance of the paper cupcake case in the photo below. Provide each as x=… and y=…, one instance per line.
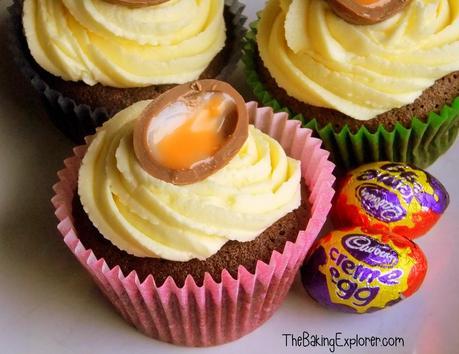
x=420, y=144
x=77, y=120
x=216, y=312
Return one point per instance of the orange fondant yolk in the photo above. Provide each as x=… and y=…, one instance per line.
x=198, y=138
x=366, y=2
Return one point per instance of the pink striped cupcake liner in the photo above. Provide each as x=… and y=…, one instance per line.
x=216, y=312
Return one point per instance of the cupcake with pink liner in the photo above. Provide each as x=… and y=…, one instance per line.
x=214, y=254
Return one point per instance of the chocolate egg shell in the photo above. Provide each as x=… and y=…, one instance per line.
x=359, y=271
x=235, y=129
x=366, y=13
x=137, y=3
x=390, y=196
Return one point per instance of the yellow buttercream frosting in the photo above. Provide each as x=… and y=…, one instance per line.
x=361, y=71
x=148, y=217
x=95, y=41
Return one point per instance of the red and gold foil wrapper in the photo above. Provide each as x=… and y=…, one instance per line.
x=355, y=270
x=390, y=197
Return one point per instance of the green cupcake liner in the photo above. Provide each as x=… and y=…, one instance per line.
x=421, y=144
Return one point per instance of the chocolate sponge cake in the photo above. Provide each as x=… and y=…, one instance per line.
x=376, y=92
x=229, y=257
x=78, y=106
x=443, y=92
x=114, y=99
x=202, y=263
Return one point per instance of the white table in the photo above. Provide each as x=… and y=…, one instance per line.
x=48, y=304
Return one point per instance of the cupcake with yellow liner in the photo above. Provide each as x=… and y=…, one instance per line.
x=384, y=91
x=195, y=246
x=90, y=59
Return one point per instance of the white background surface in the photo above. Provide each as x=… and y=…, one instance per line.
x=49, y=305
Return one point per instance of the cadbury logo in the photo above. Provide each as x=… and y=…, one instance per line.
x=370, y=251
x=395, y=176
x=380, y=203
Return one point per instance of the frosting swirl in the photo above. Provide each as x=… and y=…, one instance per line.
x=148, y=217
x=99, y=42
x=362, y=71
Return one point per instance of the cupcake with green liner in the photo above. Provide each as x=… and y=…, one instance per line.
x=90, y=59
x=197, y=258
x=386, y=91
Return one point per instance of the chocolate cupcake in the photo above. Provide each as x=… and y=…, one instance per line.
x=89, y=61
x=189, y=243
x=229, y=257
x=384, y=91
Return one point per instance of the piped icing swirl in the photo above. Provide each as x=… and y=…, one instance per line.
x=95, y=41
x=362, y=71
x=148, y=217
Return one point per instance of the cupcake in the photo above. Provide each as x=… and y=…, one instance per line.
x=377, y=91
x=89, y=60
x=195, y=246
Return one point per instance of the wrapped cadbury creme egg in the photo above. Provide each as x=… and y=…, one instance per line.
x=354, y=270
x=390, y=196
